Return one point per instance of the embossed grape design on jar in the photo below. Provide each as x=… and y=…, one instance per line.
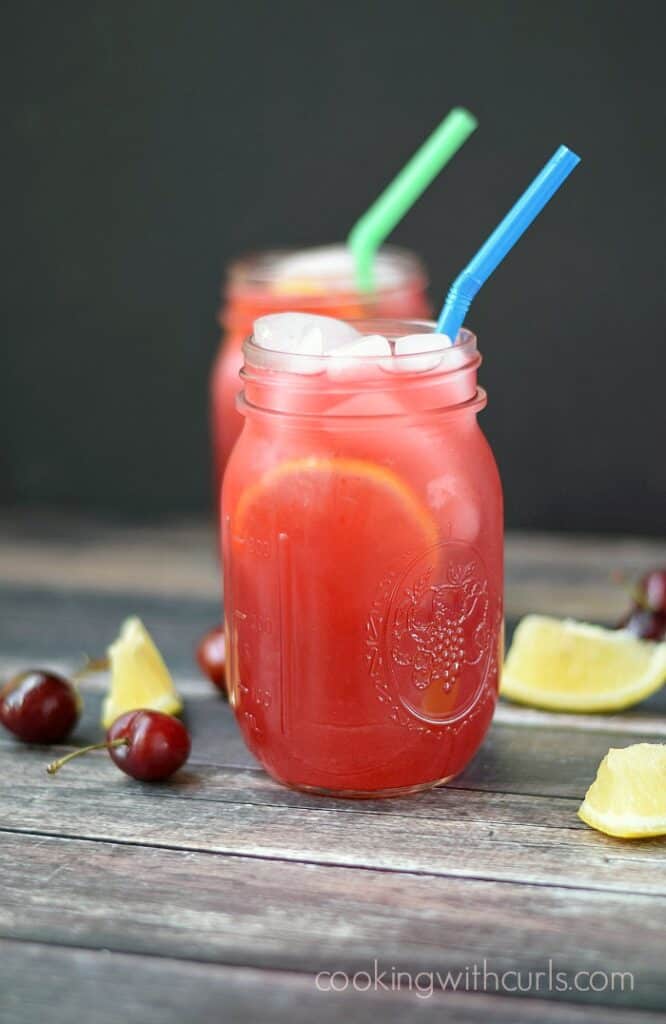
x=362, y=549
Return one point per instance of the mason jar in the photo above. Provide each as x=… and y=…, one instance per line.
x=363, y=557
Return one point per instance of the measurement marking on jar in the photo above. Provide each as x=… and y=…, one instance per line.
x=286, y=653
x=232, y=653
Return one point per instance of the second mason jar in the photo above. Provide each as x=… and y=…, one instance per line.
x=362, y=550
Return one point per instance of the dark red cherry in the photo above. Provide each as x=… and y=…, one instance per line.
x=39, y=706
x=148, y=745
x=156, y=745
x=644, y=623
x=212, y=657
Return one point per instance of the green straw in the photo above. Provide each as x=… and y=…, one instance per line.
x=391, y=206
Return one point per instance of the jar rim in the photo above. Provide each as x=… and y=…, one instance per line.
x=287, y=271
x=452, y=357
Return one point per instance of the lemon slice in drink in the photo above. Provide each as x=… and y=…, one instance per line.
x=628, y=796
x=139, y=677
x=363, y=502
x=562, y=665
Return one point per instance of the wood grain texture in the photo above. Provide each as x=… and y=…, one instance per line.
x=61, y=624
x=276, y=914
x=448, y=832
x=65, y=553
x=39, y=982
x=220, y=894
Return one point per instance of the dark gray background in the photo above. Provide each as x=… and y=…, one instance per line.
x=147, y=143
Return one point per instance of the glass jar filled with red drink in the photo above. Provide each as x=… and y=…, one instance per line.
x=363, y=558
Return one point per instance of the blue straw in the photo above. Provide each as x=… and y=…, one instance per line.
x=503, y=238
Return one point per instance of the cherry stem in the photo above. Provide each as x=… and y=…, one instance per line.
x=89, y=667
x=108, y=745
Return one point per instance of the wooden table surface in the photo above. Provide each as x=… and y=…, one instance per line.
x=220, y=896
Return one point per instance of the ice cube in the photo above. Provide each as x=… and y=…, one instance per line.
x=457, y=505
x=301, y=335
x=355, y=358
x=427, y=348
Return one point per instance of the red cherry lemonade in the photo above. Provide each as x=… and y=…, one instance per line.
x=362, y=551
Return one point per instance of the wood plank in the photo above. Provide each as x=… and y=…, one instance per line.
x=76, y=554
x=630, y=723
x=47, y=625
x=571, y=575
x=546, y=761
x=39, y=982
x=275, y=914
x=24, y=782
x=508, y=838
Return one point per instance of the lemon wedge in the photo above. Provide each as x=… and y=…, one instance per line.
x=628, y=796
x=139, y=677
x=564, y=665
